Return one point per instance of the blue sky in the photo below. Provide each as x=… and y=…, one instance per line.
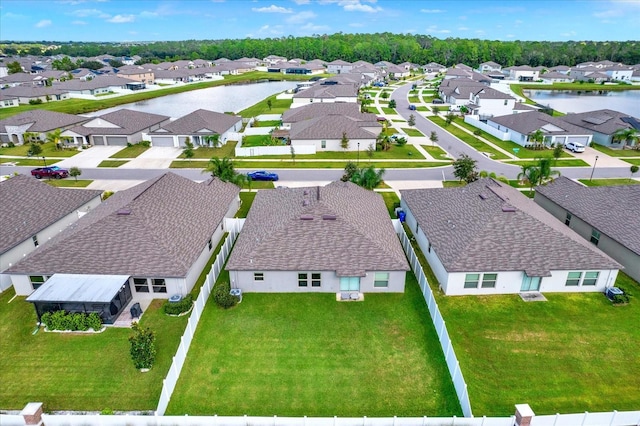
x=151, y=20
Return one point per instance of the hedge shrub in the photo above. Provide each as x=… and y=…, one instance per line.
x=177, y=308
x=62, y=320
x=222, y=297
x=143, y=346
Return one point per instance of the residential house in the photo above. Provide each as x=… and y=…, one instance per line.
x=8, y=101
x=433, y=67
x=488, y=102
x=562, y=69
x=147, y=242
x=523, y=73
x=35, y=94
x=618, y=73
x=141, y=74
x=319, y=240
x=116, y=128
x=488, y=238
x=339, y=67
x=98, y=85
x=33, y=212
x=37, y=123
x=519, y=128
x=274, y=59
x=83, y=74
x=604, y=216
x=458, y=91
x=489, y=67
x=603, y=124
x=397, y=72
x=556, y=77
x=200, y=126
x=597, y=75
x=19, y=79
x=326, y=91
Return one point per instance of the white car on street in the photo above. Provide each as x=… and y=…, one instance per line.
x=574, y=146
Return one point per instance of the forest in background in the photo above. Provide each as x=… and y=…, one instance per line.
x=396, y=48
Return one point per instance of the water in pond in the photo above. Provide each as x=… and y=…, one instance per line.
x=626, y=101
x=231, y=98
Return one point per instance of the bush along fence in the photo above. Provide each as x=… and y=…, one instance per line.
x=169, y=383
x=443, y=335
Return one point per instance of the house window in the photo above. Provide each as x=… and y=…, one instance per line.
x=349, y=283
x=36, y=281
x=323, y=144
x=471, y=280
x=429, y=248
x=595, y=236
x=567, y=219
x=489, y=280
x=590, y=278
x=35, y=240
x=381, y=279
x=573, y=279
x=316, y=279
x=505, y=101
x=159, y=285
x=303, y=279
x=210, y=244
x=141, y=285
x=258, y=276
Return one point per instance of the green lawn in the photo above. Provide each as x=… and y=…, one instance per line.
x=130, y=151
x=436, y=152
x=388, y=110
x=470, y=140
x=266, y=123
x=80, y=372
x=414, y=99
x=69, y=183
x=226, y=150
x=609, y=182
x=396, y=152
x=634, y=161
x=573, y=353
x=257, y=140
x=616, y=152
x=48, y=150
x=278, y=106
x=576, y=162
x=288, y=355
x=391, y=200
x=288, y=164
x=112, y=163
x=247, y=199
x=37, y=162
x=412, y=132
x=453, y=184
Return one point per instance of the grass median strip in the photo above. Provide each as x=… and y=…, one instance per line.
x=608, y=182
x=436, y=152
x=112, y=163
x=282, y=164
x=130, y=151
x=576, y=162
x=470, y=140
x=396, y=152
x=36, y=162
x=616, y=152
x=69, y=183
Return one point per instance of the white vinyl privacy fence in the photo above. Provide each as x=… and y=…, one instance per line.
x=233, y=227
x=443, y=335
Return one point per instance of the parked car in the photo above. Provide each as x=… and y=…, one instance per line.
x=437, y=101
x=574, y=146
x=381, y=119
x=50, y=172
x=412, y=107
x=399, y=135
x=263, y=175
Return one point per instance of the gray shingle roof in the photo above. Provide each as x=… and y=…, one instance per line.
x=198, y=120
x=528, y=122
x=169, y=222
x=43, y=120
x=329, y=91
x=127, y=120
x=27, y=206
x=306, y=112
x=333, y=126
x=472, y=234
x=361, y=238
x=612, y=210
x=603, y=121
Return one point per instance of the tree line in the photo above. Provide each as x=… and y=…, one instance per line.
x=396, y=48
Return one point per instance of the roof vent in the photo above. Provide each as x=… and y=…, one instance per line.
x=306, y=217
x=329, y=217
x=507, y=208
x=305, y=203
x=306, y=192
x=483, y=197
x=123, y=212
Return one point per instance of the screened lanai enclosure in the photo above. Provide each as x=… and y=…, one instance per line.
x=107, y=295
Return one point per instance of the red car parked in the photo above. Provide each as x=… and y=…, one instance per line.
x=50, y=172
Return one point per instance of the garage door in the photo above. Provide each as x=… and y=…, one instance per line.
x=162, y=140
x=117, y=140
x=584, y=140
x=98, y=140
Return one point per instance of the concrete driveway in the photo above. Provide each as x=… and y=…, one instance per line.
x=90, y=158
x=154, y=158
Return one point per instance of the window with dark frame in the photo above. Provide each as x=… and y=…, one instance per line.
x=35, y=240
x=316, y=279
x=303, y=279
x=567, y=220
x=36, y=281
x=471, y=280
x=159, y=285
x=489, y=280
x=258, y=276
x=595, y=237
x=141, y=285
x=210, y=243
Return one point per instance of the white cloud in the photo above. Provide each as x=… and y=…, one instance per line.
x=85, y=13
x=433, y=29
x=301, y=17
x=312, y=28
x=43, y=23
x=354, y=5
x=78, y=22
x=121, y=19
x=301, y=2
x=569, y=34
x=510, y=35
x=10, y=15
x=271, y=9
x=432, y=10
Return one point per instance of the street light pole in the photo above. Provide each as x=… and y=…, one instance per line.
x=44, y=161
x=358, y=160
x=594, y=168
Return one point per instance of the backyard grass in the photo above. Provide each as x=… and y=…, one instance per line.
x=306, y=354
x=412, y=132
x=130, y=151
x=608, y=182
x=69, y=183
x=436, y=152
x=288, y=164
x=616, y=152
x=112, y=163
x=247, y=199
x=257, y=140
x=266, y=123
x=391, y=200
x=68, y=371
x=575, y=162
x=48, y=150
x=470, y=140
x=37, y=162
x=226, y=150
x=278, y=106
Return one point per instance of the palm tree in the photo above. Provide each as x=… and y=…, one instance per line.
x=537, y=138
x=213, y=140
x=538, y=173
x=626, y=136
x=368, y=177
x=530, y=174
x=54, y=137
x=224, y=170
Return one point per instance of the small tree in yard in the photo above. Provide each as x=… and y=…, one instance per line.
x=269, y=103
x=349, y=170
x=464, y=168
x=293, y=154
x=75, y=172
x=370, y=151
x=188, y=149
x=433, y=137
x=633, y=169
x=344, y=142
x=35, y=149
x=412, y=120
x=143, y=347
x=368, y=177
x=392, y=103
x=557, y=151
x=449, y=118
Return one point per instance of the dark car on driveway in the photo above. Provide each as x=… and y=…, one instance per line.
x=50, y=172
x=262, y=175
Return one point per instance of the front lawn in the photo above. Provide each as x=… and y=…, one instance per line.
x=80, y=372
x=204, y=152
x=436, y=152
x=575, y=162
x=130, y=151
x=396, y=152
x=48, y=150
x=412, y=132
x=616, y=152
x=69, y=183
x=288, y=164
x=608, y=182
x=306, y=354
x=112, y=163
x=634, y=161
x=37, y=162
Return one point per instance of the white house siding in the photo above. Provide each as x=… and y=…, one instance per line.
x=15, y=254
x=496, y=107
x=8, y=103
x=334, y=144
x=474, y=121
x=287, y=282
